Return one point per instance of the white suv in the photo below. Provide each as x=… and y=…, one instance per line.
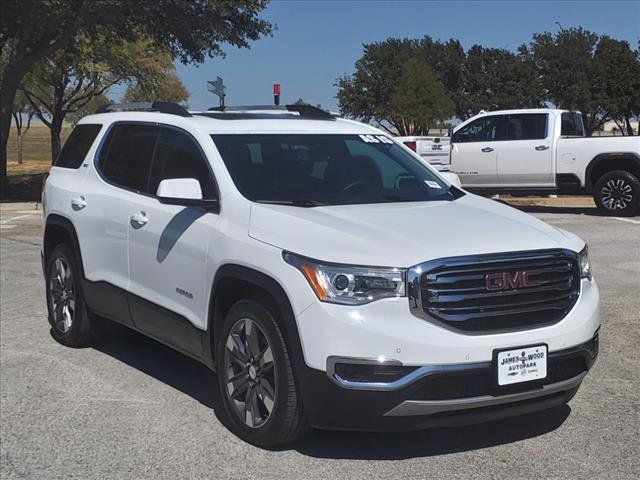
x=329, y=277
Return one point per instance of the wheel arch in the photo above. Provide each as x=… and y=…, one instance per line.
x=234, y=282
x=607, y=162
x=57, y=230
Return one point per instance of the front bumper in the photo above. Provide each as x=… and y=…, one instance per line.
x=442, y=396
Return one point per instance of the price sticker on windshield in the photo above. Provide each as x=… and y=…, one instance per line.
x=375, y=139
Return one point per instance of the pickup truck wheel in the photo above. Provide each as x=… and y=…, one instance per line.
x=255, y=377
x=68, y=316
x=618, y=193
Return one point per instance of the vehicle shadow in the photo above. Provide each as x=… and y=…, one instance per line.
x=432, y=442
x=194, y=379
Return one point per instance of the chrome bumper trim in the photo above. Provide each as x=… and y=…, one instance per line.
x=430, y=407
x=416, y=374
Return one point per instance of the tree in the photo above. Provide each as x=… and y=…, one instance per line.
x=167, y=88
x=33, y=30
x=418, y=101
x=21, y=110
x=620, y=69
x=447, y=60
x=496, y=79
x=68, y=80
x=571, y=75
x=373, y=93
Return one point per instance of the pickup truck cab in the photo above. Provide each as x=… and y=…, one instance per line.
x=541, y=151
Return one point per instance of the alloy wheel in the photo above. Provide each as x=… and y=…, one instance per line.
x=617, y=194
x=250, y=374
x=62, y=294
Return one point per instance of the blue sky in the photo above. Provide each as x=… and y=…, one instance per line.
x=318, y=41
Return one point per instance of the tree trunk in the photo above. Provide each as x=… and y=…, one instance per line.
x=629, y=127
x=8, y=88
x=55, y=128
x=20, y=148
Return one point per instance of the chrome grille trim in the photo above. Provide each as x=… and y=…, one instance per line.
x=451, y=292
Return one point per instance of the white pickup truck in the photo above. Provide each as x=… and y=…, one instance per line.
x=543, y=151
x=433, y=150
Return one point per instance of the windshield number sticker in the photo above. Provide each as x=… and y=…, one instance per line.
x=432, y=184
x=375, y=139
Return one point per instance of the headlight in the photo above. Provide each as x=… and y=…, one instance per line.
x=585, y=268
x=347, y=285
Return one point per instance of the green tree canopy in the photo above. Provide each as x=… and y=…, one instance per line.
x=69, y=80
x=570, y=74
x=418, y=100
x=33, y=30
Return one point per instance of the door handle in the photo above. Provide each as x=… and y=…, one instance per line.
x=541, y=148
x=139, y=220
x=487, y=149
x=78, y=203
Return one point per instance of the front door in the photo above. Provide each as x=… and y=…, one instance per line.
x=474, y=152
x=168, y=247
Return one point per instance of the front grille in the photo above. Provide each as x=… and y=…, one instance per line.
x=455, y=291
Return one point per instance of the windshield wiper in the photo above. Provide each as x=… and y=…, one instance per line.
x=296, y=203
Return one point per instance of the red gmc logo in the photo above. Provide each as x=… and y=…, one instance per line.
x=509, y=280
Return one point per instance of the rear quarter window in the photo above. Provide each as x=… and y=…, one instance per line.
x=77, y=145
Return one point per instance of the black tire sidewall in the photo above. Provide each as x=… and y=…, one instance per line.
x=78, y=333
x=633, y=207
x=275, y=429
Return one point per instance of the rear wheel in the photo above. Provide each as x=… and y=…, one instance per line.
x=68, y=317
x=256, y=379
x=618, y=193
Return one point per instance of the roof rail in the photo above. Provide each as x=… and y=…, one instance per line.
x=162, y=107
x=307, y=111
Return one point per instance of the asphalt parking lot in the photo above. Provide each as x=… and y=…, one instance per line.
x=132, y=408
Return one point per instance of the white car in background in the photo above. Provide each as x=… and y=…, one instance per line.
x=544, y=151
x=433, y=150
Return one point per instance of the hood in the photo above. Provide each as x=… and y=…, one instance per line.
x=404, y=234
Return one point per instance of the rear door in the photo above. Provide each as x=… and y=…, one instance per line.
x=525, y=157
x=474, y=151
x=113, y=187
x=168, y=246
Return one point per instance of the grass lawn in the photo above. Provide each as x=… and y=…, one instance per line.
x=36, y=150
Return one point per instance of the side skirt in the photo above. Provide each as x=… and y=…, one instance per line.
x=141, y=315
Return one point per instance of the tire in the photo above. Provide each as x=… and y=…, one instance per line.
x=68, y=316
x=262, y=405
x=617, y=193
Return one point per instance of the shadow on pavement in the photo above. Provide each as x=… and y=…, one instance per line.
x=433, y=442
x=194, y=379
x=162, y=363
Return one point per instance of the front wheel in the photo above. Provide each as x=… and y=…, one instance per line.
x=618, y=193
x=256, y=378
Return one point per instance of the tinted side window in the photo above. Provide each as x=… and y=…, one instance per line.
x=178, y=156
x=572, y=125
x=480, y=130
x=77, y=145
x=127, y=154
x=530, y=126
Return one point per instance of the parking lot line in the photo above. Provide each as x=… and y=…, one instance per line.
x=637, y=222
x=4, y=222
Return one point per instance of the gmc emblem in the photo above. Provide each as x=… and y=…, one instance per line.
x=509, y=280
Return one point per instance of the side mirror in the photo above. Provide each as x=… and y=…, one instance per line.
x=183, y=191
x=452, y=178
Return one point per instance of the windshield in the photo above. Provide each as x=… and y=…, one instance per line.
x=313, y=170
